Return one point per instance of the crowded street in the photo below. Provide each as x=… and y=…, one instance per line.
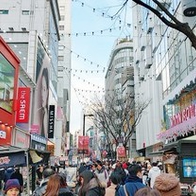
x=98, y=98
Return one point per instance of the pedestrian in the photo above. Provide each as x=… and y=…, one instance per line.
x=39, y=172
x=64, y=189
x=2, y=176
x=115, y=180
x=134, y=181
x=147, y=191
x=17, y=175
x=90, y=185
x=12, y=187
x=53, y=186
x=8, y=173
x=102, y=174
x=39, y=191
x=167, y=185
x=153, y=173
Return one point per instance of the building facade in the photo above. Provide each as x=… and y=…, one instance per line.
x=31, y=29
x=119, y=82
x=165, y=75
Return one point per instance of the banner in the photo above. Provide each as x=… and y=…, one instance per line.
x=121, y=151
x=23, y=105
x=51, y=121
x=83, y=143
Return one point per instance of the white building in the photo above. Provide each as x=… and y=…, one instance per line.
x=119, y=78
x=25, y=24
x=64, y=74
x=164, y=66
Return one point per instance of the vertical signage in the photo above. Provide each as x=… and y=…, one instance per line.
x=23, y=105
x=51, y=121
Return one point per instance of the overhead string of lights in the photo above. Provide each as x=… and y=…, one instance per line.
x=86, y=59
x=101, y=11
x=85, y=100
x=116, y=17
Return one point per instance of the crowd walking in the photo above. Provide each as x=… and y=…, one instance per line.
x=97, y=178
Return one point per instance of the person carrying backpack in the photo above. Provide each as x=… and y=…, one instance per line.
x=133, y=182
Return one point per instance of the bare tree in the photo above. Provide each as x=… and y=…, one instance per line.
x=117, y=118
x=168, y=18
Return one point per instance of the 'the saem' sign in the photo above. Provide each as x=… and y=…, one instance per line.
x=51, y=121
x=184, y=115
x=23, y=105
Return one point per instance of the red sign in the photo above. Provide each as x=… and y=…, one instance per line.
x=121, y=151
x=23, y=105
x=83, y=142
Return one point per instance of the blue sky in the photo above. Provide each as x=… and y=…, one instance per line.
x=93, y=37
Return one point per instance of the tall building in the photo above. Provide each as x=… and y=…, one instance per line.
x=164, y=65
x=64, y=74
x=119, y=79
x=31, y=29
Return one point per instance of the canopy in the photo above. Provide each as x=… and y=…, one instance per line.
x=12, y=156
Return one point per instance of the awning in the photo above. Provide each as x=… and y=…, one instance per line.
x=171, y=148
x=12, y=156
x=157, y=153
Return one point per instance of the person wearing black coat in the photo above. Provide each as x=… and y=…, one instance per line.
x=90, y=185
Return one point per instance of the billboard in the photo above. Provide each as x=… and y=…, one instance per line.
x=83, y=144
x=41, y=96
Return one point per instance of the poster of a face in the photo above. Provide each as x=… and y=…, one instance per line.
x=6, y=84
x=41, y=92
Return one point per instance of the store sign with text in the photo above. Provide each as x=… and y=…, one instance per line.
x=23, y=105
x=184, y=115
x=51, y=121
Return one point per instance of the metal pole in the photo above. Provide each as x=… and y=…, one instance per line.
x=84, y=125
x=83, y=135
x=28, y=183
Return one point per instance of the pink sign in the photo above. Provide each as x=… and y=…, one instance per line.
x=35, y=129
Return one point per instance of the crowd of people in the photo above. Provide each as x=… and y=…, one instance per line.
x=101, y=178
x=126, y=179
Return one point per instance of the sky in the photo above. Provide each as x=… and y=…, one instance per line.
x=96, y=25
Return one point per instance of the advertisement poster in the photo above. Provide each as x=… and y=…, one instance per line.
x=6, y=84
x=189, y=167
x=41, y=107
x=83, y=144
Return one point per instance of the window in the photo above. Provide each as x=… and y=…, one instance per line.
x=60, y=58
x=4, y=11
x=62, y=17
x=25, y=12
x=62, y=7
x=61, y=27
x=61, y=47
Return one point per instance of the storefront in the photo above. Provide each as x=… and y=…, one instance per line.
x=9, y=70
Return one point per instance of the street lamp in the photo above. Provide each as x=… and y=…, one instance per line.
x=84, y=117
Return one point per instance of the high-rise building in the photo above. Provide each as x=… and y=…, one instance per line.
x=119, y=81
x=164, y=65
x=31, y=29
